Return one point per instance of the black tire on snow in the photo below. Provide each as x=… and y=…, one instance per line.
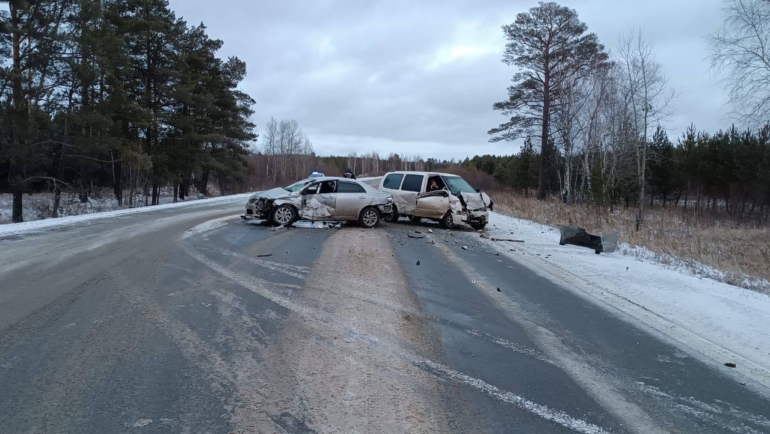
x=369, y=217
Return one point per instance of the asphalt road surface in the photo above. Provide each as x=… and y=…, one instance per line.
x=193, y=321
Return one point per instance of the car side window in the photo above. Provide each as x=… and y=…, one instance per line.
x=393, y=181
x=412, y=183
x=312, y=188
x=349, y=187
x=328, y=187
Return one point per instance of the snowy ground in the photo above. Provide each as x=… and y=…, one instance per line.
x=39, y=206
x=722, y=322
x=11, y=228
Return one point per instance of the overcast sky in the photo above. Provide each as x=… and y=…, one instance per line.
x=420, y=78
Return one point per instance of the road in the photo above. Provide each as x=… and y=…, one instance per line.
x=192, y=321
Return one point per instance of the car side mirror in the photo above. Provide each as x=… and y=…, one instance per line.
x=477, y=190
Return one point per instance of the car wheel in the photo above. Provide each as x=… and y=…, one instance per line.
x=284, y=215
x=447, y=222
x=479, y=226
x=369, y=217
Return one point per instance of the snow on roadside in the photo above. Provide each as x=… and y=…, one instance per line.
x=15, y=228
x=724, y=322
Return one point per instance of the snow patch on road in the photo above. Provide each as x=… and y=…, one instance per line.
x=723, y=322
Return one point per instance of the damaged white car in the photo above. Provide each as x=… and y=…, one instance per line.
x=443, y=197
x=321, y=199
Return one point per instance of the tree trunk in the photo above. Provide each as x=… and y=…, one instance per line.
x=176, y=191
x=205, y=182
x=545, y=145
x=155, y=193
x=117, y=170
x=17, y=216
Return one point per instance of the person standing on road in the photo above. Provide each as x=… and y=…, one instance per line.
x=349, y=174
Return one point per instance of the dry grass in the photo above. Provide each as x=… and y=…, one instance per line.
x=741, y=253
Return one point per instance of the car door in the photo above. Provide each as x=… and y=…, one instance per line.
x=351, y=199
x=319, y=201
x=433, y=204
x=410, y=188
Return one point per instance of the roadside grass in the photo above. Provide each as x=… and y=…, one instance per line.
x=709, y=246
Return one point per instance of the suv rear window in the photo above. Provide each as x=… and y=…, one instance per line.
x=393, y=181
x=412, y=183
x=349, y=187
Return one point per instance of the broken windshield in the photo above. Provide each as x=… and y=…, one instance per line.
x=297, y=186
x=458, y=185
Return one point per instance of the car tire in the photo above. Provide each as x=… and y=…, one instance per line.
x=284, y=215
x=446, y=222
x=478, y=226
x=369, y=217
x=415, y=219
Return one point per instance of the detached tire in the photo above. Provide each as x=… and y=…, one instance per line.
x=369, y=218
x=284, y=215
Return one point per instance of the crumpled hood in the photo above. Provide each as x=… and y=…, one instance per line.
x=474, y=201
x=273, y=193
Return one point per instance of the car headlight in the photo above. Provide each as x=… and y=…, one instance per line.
x=390, y=200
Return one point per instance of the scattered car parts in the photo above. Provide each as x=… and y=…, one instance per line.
x=578, y=236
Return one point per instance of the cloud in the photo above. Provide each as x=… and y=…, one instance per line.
x=420, y=78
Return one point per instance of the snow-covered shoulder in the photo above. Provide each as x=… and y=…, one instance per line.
x=721, y=321
x=16, y=228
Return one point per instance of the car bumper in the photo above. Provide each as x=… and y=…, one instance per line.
x=385, y=209
x=253, y=212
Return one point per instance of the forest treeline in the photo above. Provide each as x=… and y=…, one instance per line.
x=118, y=93
x=728, y=171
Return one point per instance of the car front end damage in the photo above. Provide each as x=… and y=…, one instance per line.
x=471, y=209
x=261, y=204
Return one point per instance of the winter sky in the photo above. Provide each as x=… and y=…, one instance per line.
x=420, y=77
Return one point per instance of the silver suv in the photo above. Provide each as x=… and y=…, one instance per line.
x=443, y=197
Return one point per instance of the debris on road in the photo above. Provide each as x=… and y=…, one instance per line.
x=430, y=231
x=498, y=290
x=264, y=255
x=415, y=234
x=418, y=262
x=730, y=364
x=507, y=239
x=465, y=247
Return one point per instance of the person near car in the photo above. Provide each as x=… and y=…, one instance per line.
x=433, y=186
x=349, y=174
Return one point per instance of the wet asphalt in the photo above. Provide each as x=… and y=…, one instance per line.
x=123, y=325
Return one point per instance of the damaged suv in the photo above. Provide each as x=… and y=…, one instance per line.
x=321, y=199
x=443, y=197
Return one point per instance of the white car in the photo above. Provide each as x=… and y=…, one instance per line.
x=443, y=197
x=321, y=199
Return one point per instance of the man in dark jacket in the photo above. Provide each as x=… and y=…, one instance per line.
x=348, y=174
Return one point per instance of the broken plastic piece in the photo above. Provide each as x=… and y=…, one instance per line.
x=579, y=237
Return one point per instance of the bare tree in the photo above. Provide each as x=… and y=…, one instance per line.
x=646, y=94
x=741, y=49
